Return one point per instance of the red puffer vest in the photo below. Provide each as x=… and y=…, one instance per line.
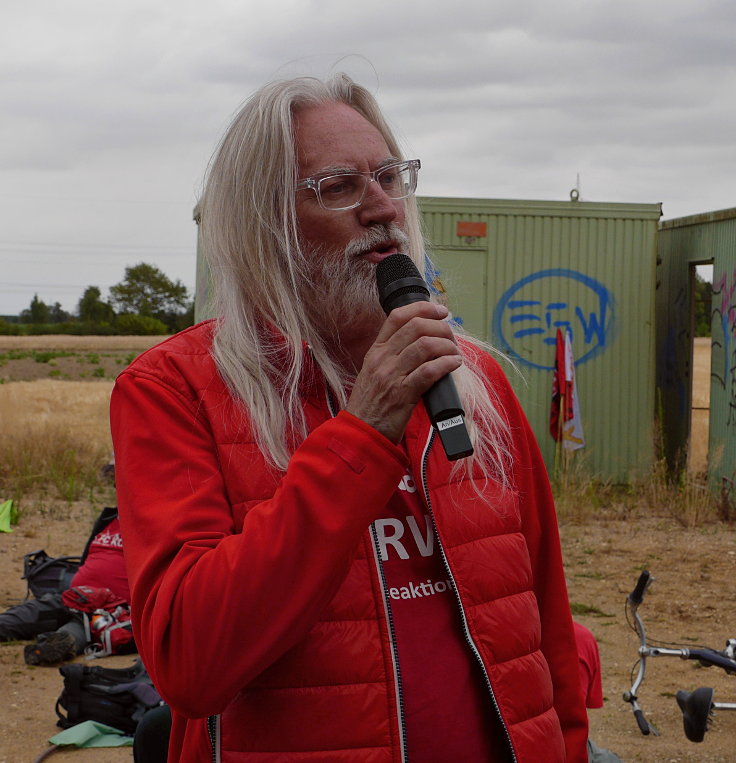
x=257, y=604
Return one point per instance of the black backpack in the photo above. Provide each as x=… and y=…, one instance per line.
x=46, y=574
x=117, y=697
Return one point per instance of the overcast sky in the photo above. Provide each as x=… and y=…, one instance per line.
x=110, y=111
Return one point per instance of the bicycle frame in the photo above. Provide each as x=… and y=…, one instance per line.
x=697, y=707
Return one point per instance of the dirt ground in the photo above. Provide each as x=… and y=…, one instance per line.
x=603, y=556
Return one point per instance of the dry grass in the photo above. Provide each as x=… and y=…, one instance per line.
x=87, y=343
x=55, y=438
x=690, y=502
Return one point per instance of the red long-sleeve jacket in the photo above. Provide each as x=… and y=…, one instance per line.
x=256, y=599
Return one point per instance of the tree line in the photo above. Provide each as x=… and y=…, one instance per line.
x=146, y=301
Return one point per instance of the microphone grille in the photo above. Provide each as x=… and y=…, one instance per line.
x=393, y=268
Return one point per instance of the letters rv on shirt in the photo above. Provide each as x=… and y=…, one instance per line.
x=447, y=705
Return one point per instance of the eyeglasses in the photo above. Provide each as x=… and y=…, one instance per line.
x=345, y=190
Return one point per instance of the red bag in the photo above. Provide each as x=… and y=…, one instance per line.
x=87, y=599
x=107, y=622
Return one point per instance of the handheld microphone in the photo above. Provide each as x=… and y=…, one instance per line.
x=399, y=283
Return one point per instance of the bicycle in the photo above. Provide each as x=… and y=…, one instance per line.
x=698, y=707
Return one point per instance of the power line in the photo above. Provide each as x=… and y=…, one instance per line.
x=111, y=247
x=90, y=200
x=47, y=287
x=20, y=287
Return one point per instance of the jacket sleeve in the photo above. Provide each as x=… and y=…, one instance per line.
x=539, y=522
x=212, y=608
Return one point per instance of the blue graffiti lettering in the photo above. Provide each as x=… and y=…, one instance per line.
x=521, y=334
x=524, y=317
x=594, y=326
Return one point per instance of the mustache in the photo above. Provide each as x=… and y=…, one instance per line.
x=376, y=236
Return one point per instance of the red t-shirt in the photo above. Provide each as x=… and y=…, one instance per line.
x=104, y=566
x=448, y=711
x=590, y=666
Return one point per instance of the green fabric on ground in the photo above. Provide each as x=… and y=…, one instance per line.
x=8, y=516
x=92, y=734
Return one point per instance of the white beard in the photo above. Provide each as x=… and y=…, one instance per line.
x=341, y=294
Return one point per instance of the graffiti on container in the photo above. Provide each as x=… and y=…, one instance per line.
x=725, y=287
x=525, y=325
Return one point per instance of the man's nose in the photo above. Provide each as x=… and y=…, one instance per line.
x=376, y=207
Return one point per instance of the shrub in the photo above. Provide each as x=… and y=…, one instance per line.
x=9, y=329
x=77, y=328
x=88, y=328
x=140, y=325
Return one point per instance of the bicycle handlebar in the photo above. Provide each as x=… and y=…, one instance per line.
x=637, y=595
x=725, y=660
x=710, y=657
x=642, y=722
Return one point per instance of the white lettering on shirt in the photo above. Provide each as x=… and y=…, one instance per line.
x=105, y=538
x=390, y=531
x=426, y=544
x=407, y=483
x=419, y=590
x=384, y=540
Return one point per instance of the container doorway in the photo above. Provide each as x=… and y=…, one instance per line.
x=701, y=289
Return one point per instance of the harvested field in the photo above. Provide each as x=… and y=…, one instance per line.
x=69, y=358
x=80, y=343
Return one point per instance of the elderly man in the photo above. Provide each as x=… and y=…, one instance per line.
x=312, y=579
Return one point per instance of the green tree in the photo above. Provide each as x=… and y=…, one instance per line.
x=93, y=309
x=183, y=320
x=57, y=314
x=38, y=312
x=147, y=291
x=703, y=307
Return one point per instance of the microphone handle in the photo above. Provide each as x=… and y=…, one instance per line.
x=443, y=405
x=448, y=417
x=441, y=400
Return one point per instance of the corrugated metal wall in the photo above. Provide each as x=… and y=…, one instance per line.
x=687, y=240
x=547, y=264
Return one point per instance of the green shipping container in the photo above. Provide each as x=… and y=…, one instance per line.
x=684, y=243
x=516, y=271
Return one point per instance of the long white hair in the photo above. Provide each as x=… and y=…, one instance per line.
x=251, y=241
